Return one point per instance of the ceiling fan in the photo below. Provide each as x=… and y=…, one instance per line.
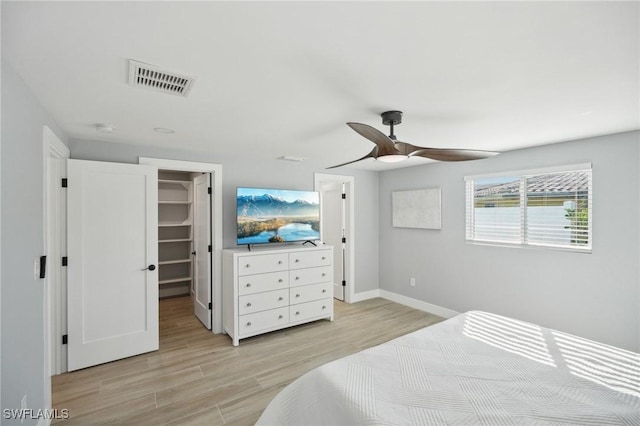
x=389, y=149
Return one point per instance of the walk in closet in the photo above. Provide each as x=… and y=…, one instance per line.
x=184, y=239
x=175, y=233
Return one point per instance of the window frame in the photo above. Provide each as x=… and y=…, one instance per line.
x=523, y=175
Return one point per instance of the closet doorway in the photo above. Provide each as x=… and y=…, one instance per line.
x=184, y=239
x=208, y=271
x=190, y=237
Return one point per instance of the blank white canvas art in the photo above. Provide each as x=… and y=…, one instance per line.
x=417, y=209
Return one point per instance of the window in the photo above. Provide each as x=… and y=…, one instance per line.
x=550, y=208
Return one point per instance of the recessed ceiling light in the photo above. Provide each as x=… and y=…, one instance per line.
x=292, y=158
x=104, y=128
x=164, y=130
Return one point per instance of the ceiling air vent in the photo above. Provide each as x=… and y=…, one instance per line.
x=155, y=78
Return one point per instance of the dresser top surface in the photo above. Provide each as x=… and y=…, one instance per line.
x=272, y=250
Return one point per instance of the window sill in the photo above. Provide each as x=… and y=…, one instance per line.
x=529, y=246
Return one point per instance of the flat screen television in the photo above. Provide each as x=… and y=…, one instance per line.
x=266, y=215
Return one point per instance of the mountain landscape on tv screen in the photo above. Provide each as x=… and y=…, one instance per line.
x=270, y=205
x=267, y=218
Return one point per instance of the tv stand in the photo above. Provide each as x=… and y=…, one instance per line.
x=310, y=242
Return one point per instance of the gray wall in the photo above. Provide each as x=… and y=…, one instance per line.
x=595, y=295
x=23, y=351
x=255, y=172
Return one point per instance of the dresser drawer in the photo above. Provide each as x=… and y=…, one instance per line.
x=263, y=301
x=250, y=284
x=307, y=293
x=264, y=320
x=309, y=310
x=263, y=263
x=311, y=276
x=309, y=259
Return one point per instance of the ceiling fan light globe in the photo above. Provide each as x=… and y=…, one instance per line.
x=392, y=158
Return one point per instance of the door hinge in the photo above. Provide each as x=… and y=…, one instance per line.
x=43, y=266
x=209, y=190
x=65, y=339
x=344, y=283
x=344, y=239
x=210, y=306
x=65, y=182
x=210, y=248
x=344, y=196
x=65, y=261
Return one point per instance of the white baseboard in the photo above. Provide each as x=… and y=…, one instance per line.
x=418, y=304
x=364, y=295
x=404, y=300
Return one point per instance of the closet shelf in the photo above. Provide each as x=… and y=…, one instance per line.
x=173, y=262
x=174, y=202
x=166, y=225
x=176, y=240
x=174, y=280
x=176, y=181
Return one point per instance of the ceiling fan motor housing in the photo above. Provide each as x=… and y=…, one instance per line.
x=391, y=118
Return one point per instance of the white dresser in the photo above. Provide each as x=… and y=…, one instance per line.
x=269, y=289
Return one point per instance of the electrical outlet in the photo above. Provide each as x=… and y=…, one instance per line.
x=412, y=282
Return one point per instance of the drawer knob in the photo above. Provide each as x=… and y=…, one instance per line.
x=248, y=265
x=248, y=324
x=279, y=262
x=280, y=280
x=297, y=295
x=323, y=274
x=297, y=278
x=324, y=290
x=280, y=316
x=248, y=305
x=323, y=258
x=297, y=260
x=280, y=298
x=298, y=313
x=324, y=307
x=248, y=284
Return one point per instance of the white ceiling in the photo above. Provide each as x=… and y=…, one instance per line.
x=282, y=78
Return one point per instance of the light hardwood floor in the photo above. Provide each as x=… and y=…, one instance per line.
x=199, y=378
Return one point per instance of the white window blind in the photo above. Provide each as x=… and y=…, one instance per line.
x=549, y=208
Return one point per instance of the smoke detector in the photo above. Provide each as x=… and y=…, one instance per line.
x=155, y=78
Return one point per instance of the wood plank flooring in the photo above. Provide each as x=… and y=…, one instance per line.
x=199, y=378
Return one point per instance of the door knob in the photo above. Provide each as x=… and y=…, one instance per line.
x=150, y=267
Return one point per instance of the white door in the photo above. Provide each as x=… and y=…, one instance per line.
x=333, y=231
x=201, y=242
x=112, y=295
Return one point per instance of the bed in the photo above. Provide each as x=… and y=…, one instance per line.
x=474, y=369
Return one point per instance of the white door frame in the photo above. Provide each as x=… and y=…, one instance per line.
x=216, y=222
x=318, y=178
x=55, y=242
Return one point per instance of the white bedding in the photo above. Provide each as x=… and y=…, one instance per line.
x=474, y=369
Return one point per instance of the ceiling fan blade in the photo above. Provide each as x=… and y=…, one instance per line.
x=386, y=145
x=372, y=154
x=451, y=154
